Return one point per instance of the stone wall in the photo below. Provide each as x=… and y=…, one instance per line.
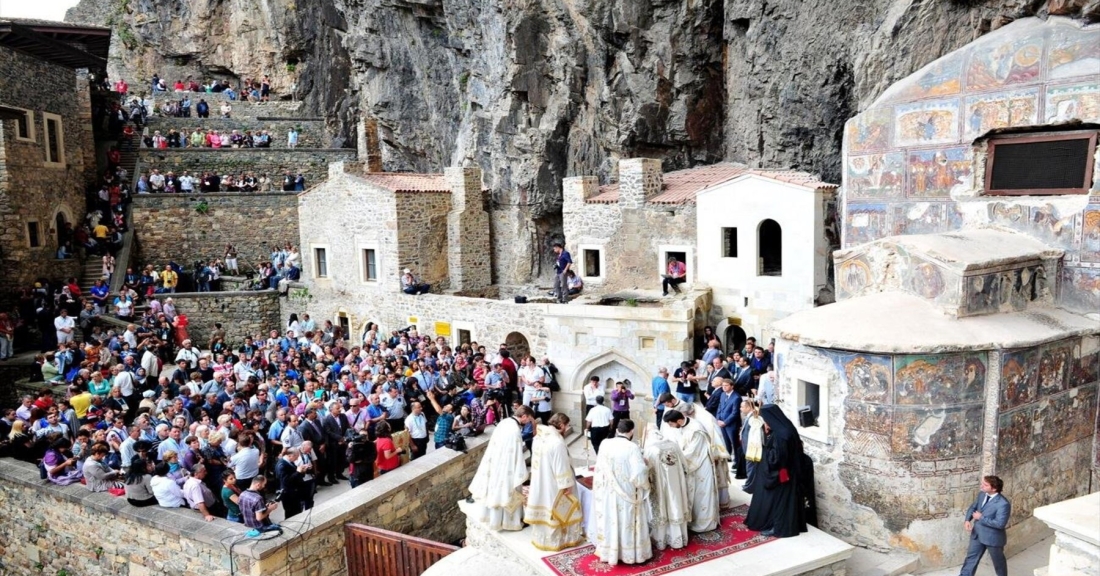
x=50, y=528
x=914, y=161
x=419, y=499
x=313, y=163
x=241, y=110
x=49, y=525
x=311, y=131
x=422, y=236
x=240, y=313
x=168, y=227
x=902, y=441
x=30, y=189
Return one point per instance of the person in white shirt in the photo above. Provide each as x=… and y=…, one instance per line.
x=598, y=423
x=530, y=377
x=247, y=461
x=167, y=492
x=64, y=324
x=591, y=391
x=187, y=183
x=417, y=425
x=197, y=494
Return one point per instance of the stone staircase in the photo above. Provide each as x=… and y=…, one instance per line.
x=93, y=270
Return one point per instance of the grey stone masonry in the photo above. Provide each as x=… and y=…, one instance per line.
x=639, y=180
x=240, y=110
x=311, y=131
x=241, y=314
x=468, y=249
x=313, y=163
x=170, y=227
x=576, y=190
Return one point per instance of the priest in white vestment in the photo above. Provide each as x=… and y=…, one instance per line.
x=668, y=498
x=699, y=468
x=500, y=475
x=552, y=509
x=620, y=502
x=718, y=454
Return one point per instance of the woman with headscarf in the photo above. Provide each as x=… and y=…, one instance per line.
x=782, y=495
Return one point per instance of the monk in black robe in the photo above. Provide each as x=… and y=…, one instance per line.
x=782, y=487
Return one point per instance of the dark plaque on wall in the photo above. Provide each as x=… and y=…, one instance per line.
x=1041, y=164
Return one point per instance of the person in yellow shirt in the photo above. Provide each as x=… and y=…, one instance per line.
x=100, y=231
x=81, y=401
x=170, y=279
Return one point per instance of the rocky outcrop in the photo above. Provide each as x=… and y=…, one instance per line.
x=534, y=90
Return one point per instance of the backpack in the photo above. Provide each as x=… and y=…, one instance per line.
x=551, y=381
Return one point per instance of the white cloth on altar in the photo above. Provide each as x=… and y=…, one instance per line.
x=699, y=467
x=621, y=510
x=669, y=505
x=552, y=509
x=500, y=475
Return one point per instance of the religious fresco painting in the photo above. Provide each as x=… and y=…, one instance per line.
x=1079, y=101
x=1063, y=417
x=869, y=377
x=1019, y=377
x=985, y=112
x=1007, y=214
x=853, y=277
x=937, y=433
x=941, y=78
x=926, y=218
x=876, y=175
x=1072, y=53
x=1053, y=227
x=866, y=223
x=939, y=379
x=874, y=418
x=931, y=122
x=869, y=131
x=1080, y=287
x=1085, y=359
x=1055, y=365
x=867, y=443
x=1011, y=62
x=1016, y=436
x=983, y=294
x=935, y=173
x=1090, y=234
x=927, y=281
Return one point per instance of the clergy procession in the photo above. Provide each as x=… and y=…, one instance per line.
x=654, y=487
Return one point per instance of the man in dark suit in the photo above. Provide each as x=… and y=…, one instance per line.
x=335, y=426
x=986, y=520
x=311, y=430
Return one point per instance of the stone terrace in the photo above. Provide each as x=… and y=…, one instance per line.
x=311, y=130
x=241, y=110
x=312, y=162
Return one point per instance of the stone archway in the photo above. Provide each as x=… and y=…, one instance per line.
x=611, y=364
x=731, y=333
x=517, y=345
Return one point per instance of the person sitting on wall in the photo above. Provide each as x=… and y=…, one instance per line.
x=677, y=274
x=411, y=284
x=573, y=283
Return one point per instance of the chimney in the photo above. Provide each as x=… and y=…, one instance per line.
x=578, y=189
x=639, y=180
x=468, y=249
x=370, y=150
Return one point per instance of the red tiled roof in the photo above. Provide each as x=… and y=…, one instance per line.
x=407, y=181
x=681, y=186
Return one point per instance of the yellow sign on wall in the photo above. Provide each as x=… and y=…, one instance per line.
x=443, y=329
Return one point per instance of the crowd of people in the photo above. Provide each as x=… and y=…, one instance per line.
x=716, y=418
x=249, y=89
x=154, y=182
x=148, y=414
x=211, y=138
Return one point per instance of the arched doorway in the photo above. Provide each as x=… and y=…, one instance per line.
x=734, y=338
x=769, y=245
x=61, y=228
x=517, y=345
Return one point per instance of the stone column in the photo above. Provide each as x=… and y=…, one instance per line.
x=468, y=248
x=370, y=153
x=576, y=190
x=639, y=180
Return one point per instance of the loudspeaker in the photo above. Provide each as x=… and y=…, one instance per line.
x=806, y=417
x=521, y=299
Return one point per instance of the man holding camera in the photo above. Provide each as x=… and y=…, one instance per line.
x=255, y=510
x=291, y=476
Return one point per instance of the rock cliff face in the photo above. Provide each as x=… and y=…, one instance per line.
x=535, y=90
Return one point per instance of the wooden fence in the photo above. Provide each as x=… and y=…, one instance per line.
x=376, y=552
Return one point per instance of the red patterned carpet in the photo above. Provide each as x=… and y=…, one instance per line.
x=731, y=536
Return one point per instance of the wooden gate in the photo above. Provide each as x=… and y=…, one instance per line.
x=375, y=552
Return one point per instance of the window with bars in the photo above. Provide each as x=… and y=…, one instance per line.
x=1045, y=164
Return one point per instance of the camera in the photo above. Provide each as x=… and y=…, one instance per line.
x=278, y=496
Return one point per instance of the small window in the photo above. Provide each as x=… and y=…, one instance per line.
x=55, y=140
x=729, y=242
x=1041, y=164
x=463, y=337
x=770, y=249
x=809, y=397
x=34, y=239
x=320, y=258
x=370, y=265
x=592, y=264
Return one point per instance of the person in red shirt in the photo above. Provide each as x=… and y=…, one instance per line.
x=389, y=455
x=178, y=86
